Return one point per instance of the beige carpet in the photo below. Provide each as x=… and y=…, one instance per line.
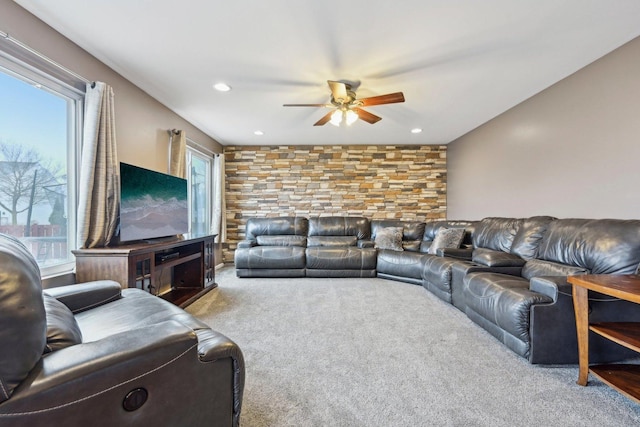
x=374, y=352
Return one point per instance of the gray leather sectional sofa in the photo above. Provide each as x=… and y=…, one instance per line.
x=508, y=275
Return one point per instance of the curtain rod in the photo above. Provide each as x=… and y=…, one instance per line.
x=191, y=142
x=48, y=60
x=202, y=147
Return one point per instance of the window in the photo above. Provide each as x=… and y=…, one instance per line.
x=40, y=122
x=200, y=171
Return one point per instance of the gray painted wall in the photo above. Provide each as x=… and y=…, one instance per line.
x=570, y=151
x=141, y=121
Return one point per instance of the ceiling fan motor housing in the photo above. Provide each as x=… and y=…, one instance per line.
x=351, y=97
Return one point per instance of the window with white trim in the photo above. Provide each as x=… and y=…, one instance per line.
x=199, y=174
x=40, y=132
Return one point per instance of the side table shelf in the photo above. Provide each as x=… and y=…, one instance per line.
x=622, y=377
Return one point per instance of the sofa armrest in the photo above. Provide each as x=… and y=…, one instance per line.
x=366, y=243
x=492, y=258
x=79, y=372
x=457, y=253
x=214, y=346
x=550, y=286
x=554, y=286
x=247, y=244
x=83, y=296
x=424, y=246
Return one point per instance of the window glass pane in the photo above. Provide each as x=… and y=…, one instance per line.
x=35, y=123
x=200, y=190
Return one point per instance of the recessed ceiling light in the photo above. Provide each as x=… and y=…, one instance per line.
x=258, y=132
x=416, y=130
x=222, y=87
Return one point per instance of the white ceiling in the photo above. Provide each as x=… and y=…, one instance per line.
x=458, y=62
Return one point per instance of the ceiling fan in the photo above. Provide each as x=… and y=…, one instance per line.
x=347, y=107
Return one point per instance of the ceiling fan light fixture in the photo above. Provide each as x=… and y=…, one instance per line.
x=348, y=108
x=336, y=118
x=350, y=117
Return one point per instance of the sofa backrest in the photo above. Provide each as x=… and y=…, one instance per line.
x=340, y=226
x=601, y=246
x=496, y=233
x=527, y=240
x=280, y=226
x=22, y=315
x=337, y=231
x=432, y=227
x=412, y=231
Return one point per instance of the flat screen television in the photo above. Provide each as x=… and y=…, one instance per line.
x=152, y=204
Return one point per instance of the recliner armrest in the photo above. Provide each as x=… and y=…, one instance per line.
x=550, y=286
x=492, y=258
x=457, y=253
x=83, y=296
x=247, y=244
x=94, y=367
x=366, y=244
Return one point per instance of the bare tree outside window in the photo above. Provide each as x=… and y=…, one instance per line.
x=26, y=179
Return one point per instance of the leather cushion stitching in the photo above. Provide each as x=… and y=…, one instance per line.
x=102, y=391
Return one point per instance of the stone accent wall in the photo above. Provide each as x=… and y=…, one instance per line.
x=377, y=182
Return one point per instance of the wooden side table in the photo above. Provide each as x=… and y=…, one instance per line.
x=622, y=376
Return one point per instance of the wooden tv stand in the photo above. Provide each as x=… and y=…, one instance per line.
x=179, y=270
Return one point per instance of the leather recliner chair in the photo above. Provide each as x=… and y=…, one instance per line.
x=93, y=354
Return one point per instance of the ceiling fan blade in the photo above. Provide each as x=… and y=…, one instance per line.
x=389, y=98
x=308, y=105
x=324, y=119
x=339, y=91
x=367, y=116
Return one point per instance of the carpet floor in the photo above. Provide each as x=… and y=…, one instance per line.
x=375, y=352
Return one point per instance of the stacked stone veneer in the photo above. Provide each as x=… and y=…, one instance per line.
x=377, y=182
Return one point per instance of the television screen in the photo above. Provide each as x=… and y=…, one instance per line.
x=152, y=204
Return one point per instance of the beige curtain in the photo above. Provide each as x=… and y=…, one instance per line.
x=178, y=153
x=219, y=221
x=99, y=186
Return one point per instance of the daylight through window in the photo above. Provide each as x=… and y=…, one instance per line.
x=40, y=120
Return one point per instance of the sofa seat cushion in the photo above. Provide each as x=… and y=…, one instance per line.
x=402, y=264
x=282, y=240
x=136, y=309
x=501, y=304
x=274, y=257
x=341, y=258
